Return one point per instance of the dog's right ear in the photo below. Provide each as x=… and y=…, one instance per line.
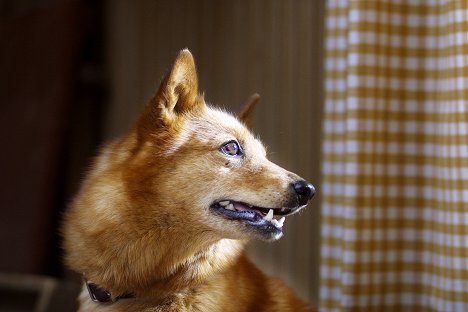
x=177, y=94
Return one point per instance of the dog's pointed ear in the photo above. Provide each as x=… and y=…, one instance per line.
x=246, y=112
x=178, y=92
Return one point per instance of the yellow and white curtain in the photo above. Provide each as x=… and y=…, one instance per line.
x=395, y=156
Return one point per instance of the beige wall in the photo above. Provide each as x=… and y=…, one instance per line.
x=271, y=47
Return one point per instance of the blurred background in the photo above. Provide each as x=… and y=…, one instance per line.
x=74, y=74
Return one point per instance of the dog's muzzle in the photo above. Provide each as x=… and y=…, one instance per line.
x=262, y=219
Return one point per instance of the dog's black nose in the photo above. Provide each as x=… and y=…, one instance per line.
x=304, y=191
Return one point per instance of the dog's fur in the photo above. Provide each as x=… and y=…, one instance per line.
x=143, y=221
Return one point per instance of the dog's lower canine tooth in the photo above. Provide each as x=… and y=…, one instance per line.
x=281, y=221
x=269, y=215
x=230, y=207
x=224, y=203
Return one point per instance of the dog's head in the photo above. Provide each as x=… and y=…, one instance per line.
x=202, y=167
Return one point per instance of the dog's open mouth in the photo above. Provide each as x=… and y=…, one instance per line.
x=267, y=219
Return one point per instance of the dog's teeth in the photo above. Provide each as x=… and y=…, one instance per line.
x=230, y=207
x=278, y=223
x=281, y=221
x=269, y=215
x=224, y=203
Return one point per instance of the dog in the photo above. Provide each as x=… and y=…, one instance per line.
x=162, y=217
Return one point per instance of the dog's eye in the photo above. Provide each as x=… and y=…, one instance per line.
x=231, y=148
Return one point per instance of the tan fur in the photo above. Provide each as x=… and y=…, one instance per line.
x=141, y=222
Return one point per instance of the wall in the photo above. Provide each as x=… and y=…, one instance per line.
x=40, y=58
x=241, y=47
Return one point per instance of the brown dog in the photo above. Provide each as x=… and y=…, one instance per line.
x=162, y=218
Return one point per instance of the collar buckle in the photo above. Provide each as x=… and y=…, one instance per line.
x=98, y=294
x=101, y=295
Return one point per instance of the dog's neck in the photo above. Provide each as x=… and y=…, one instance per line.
x=196, y=269
x=166, y=275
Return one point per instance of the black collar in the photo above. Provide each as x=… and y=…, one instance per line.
x=101, y=295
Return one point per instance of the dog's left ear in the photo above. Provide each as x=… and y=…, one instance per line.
x=177, y=94
x=246, y=112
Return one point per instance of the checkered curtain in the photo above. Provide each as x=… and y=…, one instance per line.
x=395, y=156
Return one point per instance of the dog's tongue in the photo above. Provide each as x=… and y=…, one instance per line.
x=242, y=207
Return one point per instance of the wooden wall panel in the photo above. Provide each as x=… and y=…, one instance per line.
x=270, y=47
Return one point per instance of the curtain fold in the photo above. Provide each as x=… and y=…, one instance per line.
x=395, y=156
